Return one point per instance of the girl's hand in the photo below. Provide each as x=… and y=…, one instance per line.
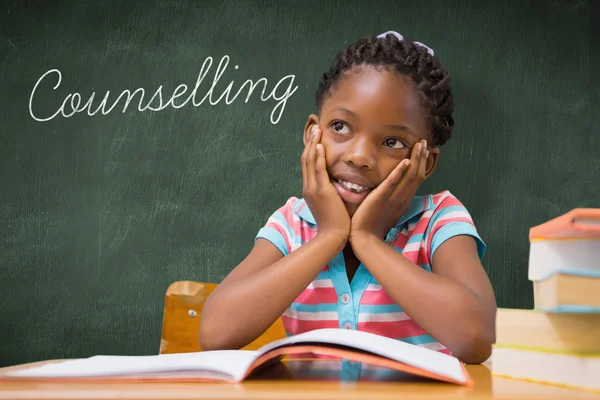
x=321, y=197
x=389, y=201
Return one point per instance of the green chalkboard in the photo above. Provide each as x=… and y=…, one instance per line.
x=104, y=202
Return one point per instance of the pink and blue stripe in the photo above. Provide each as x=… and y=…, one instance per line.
x=330, y=301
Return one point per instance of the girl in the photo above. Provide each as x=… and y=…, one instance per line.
x=359, y=250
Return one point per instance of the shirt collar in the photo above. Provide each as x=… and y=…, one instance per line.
x=418, y=205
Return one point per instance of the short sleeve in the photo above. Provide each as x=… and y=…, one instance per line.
x=278, y=228
x=450, y=218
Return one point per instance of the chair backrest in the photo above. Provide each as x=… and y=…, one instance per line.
x=181, y=320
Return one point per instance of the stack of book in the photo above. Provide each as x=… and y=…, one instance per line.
x=558, y=342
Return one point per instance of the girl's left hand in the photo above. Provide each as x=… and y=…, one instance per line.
x=389, y=201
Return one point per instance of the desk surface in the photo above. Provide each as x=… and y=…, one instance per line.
x=299, y=379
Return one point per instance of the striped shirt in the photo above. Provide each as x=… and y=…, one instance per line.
x=330, y=301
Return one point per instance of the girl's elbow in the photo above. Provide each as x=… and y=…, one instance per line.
x=477, y=346
x=477, y=354
x=210, y=334
x=213, y=339
x=206, y=337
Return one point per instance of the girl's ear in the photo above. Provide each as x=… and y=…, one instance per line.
x=310, y=122
x=432, y=160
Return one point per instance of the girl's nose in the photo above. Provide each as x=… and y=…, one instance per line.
x=360, y=153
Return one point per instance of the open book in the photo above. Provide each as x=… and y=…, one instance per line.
x=237, y=365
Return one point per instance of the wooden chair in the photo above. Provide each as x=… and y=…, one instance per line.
x=181, y=320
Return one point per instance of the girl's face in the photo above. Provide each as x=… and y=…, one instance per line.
x=369, y=122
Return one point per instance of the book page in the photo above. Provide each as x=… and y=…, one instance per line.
x=233, y=363
x=419, y=357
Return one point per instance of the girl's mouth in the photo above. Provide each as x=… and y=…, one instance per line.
x=352, y=186
x=351, y=192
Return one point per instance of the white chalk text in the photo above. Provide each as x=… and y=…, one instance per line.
x=74, y=102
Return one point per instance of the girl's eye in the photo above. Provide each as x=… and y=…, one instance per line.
x=394, y=143
x=338, y=126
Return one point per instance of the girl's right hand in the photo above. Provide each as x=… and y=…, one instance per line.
x=322, y=199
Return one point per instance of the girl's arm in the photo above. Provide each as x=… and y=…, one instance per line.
x=455, y=304
x=260, y=288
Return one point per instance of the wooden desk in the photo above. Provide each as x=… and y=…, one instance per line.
x=299, y=379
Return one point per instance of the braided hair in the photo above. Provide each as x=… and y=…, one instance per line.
x=406, y=58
